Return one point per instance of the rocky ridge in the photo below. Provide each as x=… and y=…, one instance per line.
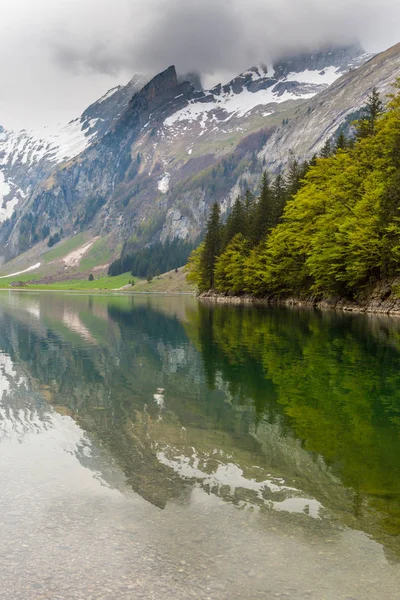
x=27, y=157
x=158, y=159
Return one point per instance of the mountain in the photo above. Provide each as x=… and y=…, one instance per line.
x=295, y=78
x=319, y=119
x=27, y=157
x=152, y=161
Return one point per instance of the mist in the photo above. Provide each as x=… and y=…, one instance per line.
x=55, y=58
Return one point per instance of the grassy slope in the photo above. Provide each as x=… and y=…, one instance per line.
x=65, y=247
x=102, y=283
x=168, y=283
x=99, y=254
x=54, y=274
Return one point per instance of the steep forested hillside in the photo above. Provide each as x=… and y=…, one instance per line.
x=339, y=230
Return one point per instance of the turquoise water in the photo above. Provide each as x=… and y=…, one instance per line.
x=162, y=448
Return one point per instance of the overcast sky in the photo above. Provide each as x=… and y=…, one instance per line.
x=57, y=56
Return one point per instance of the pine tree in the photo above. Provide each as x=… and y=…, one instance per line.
x=372, y=111
x=264, y=212
x=295, y=176
x=279, y=194
x=249, y=214
x=313, y=161
x=212, y=248
x=341, y=142
x=326, y=150
x=236, y=221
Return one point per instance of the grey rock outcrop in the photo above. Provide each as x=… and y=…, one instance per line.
x=158, y=156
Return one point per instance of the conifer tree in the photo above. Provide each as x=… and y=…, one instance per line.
x=326, y=150
x=279, y=194
x=372, y=110
x=236, y=221
x=212, y=248
x=249, y=216
x=264, y=212
x=341, y=142
x=295, y=176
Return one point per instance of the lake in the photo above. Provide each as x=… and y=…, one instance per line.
x=164, y=448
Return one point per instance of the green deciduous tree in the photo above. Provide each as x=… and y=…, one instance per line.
x=229, y=274
x=331, y=227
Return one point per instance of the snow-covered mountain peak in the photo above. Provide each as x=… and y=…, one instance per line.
x=262, y=87
x=28, y=157
x=172, y=150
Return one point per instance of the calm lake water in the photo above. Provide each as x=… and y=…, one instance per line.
x=165, y=449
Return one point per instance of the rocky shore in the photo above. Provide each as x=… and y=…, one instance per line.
x=382, y=298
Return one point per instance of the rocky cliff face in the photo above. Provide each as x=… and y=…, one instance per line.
x=154, y=160
x=28, y=157
x=317, y=120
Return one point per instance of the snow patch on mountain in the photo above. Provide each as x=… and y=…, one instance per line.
x=68, y=141
x=232, y=104
x=259, y=86
x=259, y=72
x=29, y=147
x=21, y=152
x=6, y=206
x=163, y=184
x=32, y=268
x=325, y=77
x=108, y=94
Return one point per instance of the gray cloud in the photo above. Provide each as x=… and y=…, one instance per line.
x=212, y=36
x=69, y=51
x=97, y=58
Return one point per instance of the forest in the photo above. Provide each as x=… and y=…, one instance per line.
x=152, y=260
x=330, y=226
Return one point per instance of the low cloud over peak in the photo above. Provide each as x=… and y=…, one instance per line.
x=69, y=49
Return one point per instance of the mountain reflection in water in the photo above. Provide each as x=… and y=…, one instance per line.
x=284, y=414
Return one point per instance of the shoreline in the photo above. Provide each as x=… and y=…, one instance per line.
x=103, y=292
x=381, y=301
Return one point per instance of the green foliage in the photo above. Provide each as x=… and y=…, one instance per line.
x=99, y=254
x=341, y=142
x=102, y=283
x=372, y=110
x=194, y=266
x=337, y=234
x=235, y=222
x=263, y=218
x=285, y=361
x=327, y=149
x=54, y=239
x=340, y=229
x=91, y=278
x=212, y=249
x=249, y=222
x=66, y=247
x=147, y=261
x=229, y=266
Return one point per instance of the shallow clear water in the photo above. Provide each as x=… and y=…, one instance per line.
x=158, y=448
